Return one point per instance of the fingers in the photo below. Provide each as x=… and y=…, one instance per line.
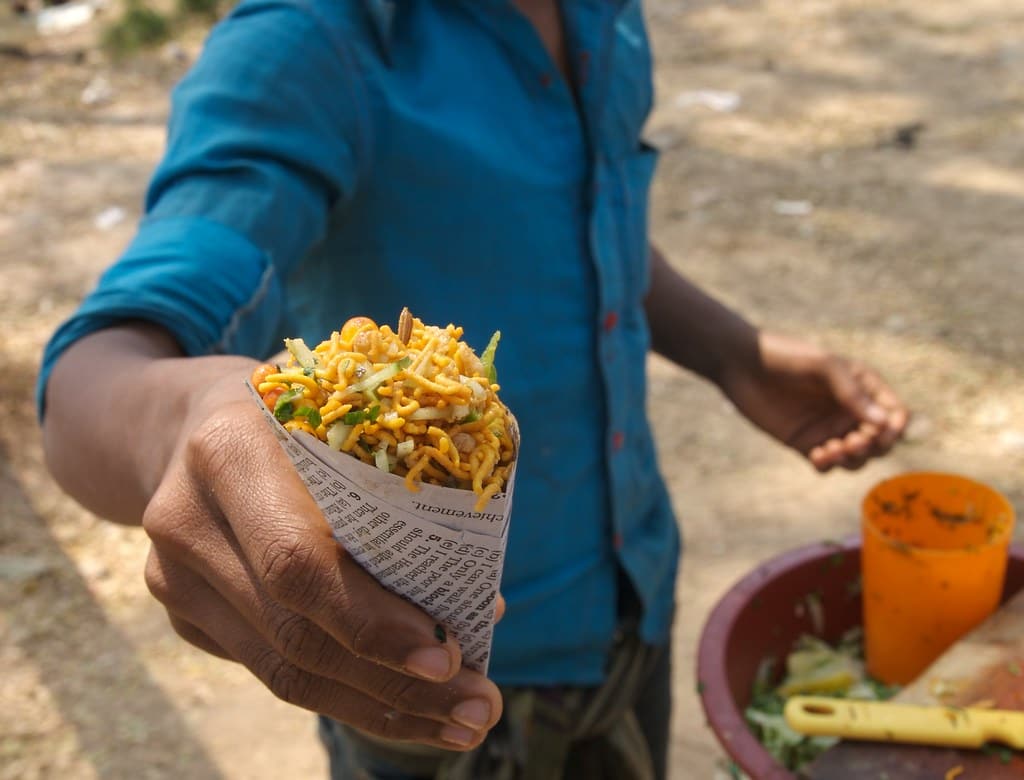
x=851, y=450
x=329, y=697
x=883, y=417
x=303, y=643
x=289, y=549
x=851, y=385
x=896, y=413
x=303, y=665
x=191, y=634
x=827, y=455
x=247, y=568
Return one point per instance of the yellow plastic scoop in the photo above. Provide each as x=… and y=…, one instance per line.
x=969, y=727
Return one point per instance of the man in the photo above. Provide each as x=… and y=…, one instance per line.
x=478, y=161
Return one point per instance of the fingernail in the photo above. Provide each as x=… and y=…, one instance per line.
x=457, y=735
x=875, y=414
x=431, y=663
x=473, y=713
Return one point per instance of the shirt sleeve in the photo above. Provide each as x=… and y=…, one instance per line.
x=263, y=142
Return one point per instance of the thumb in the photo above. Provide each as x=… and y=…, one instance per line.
x=849, y=389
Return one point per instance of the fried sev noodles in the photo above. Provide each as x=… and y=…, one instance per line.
x=425, y=409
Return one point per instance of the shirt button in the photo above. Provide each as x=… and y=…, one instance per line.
x=611, y=319
x=617, y=541
x=618, y=439
x=545, y=80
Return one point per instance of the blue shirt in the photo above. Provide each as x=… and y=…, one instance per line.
x=329, y=158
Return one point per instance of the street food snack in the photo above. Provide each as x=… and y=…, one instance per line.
x=417, y=402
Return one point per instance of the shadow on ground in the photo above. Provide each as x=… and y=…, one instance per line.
x=56, y=635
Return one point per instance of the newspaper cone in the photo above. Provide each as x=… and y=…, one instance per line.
x=430, y=547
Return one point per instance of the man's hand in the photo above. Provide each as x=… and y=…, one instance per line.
x=833, y=411
x=241, y=556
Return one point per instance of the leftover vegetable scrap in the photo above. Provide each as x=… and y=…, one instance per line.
x=814, y=667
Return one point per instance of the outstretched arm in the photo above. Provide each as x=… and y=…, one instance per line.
x=834, y=411
x=241, y=557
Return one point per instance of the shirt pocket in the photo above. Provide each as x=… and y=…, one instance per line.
x=634, y=172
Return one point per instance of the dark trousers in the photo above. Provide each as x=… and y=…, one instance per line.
x=353, y=757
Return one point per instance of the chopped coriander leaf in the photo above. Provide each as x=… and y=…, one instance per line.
x=311, y=413
x=362, y=415
x=283, y=410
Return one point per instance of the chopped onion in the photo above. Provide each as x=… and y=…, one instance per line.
x=337, y=435
x=405, y=448
x=431, y=413
x=374, y=380
x=303, y=354
x=487, y=359
x=460, y=411
x=479, y=394
x=380, y=457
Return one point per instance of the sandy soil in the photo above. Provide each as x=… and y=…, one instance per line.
x=868, y=188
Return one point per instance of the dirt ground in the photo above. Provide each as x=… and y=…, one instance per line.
x=861, y=180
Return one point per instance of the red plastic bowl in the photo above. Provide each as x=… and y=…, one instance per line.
x=762, y=616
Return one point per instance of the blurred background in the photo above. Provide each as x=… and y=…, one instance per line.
x=851, y=170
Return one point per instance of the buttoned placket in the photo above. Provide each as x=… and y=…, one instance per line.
x=590, y=34
x=594, y=42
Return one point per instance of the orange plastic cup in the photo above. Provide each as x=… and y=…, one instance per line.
x=933, y=561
